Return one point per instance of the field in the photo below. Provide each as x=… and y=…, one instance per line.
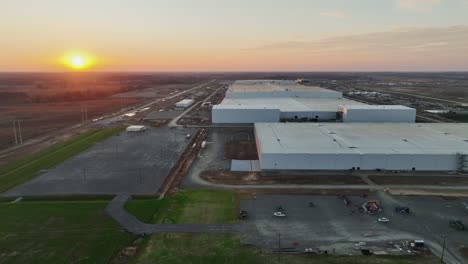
x=188, y=207
x=215, y=206
x=38, y=119
x=23, y=170
x=59, y=232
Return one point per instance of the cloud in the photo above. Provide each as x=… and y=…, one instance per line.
x=417, y=5
x=403, y=39
x=419, y=48
x=334, y=14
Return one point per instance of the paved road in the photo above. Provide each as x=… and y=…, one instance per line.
x=195, y=178
x=130, y=223
x=174, y=121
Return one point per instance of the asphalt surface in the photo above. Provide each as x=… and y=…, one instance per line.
x=129, y=163
x=130, y=223
x=333, y=226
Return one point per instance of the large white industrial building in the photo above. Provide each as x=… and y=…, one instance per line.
x=361, y=136
x=362, y=146
x=273, y=101
x=277, y=89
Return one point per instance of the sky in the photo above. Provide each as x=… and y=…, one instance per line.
x=237, y=35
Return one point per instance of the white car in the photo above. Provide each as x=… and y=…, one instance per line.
x=383, y=220
x=279, y=214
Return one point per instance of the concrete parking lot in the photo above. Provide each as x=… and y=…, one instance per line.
x=130, y=163
x=332, y=226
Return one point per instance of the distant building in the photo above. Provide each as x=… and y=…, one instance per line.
x=135, y=128
x=185, y=103
x=274, y=101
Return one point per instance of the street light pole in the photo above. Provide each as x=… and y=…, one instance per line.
x=279, y=247
x=443, y=250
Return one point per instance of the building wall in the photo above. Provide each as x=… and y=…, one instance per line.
x=379, y=115
x=322, y=115
x=235, y=115
x=421, y=162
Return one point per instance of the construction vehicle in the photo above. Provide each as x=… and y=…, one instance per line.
x=457, y=224
x=371, y=207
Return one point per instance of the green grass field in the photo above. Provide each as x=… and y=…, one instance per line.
x=215, y=207
x=25, y=169
x=59, y=232
x=457, y=117
x=188, y=207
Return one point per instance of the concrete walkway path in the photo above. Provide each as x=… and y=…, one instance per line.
x=130, y=223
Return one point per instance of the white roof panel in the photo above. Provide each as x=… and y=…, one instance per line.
x=288, y=104
x=363, y=138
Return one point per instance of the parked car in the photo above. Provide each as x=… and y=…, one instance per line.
x=402, y=209
x=243, y=214
x=279, y=214
x=383, y=220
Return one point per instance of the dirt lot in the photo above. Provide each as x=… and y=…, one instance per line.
x=254, y=178
x=201, y=114
x=429, y=180
x=241, y=150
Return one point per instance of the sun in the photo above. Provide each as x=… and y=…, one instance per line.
x=78, y=60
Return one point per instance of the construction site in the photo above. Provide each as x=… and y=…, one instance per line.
x=327, y=174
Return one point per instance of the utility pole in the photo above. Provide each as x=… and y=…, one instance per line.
x=86, y=113
x=82, y=114
x=19, y=130
x=14, y=131
x=443, y=250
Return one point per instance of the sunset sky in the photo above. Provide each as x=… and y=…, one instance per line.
x=240, y=35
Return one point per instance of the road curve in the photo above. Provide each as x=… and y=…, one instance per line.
x=130, y=223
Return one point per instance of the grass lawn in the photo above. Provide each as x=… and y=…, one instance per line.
x=188, y=207
x=59, y=232
x=25, y=169
x=456, y=117
x=215, y=207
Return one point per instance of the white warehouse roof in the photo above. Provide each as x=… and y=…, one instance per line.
x=377, y=107
x=276, y=88
x=362, y=146
x=288, y=104
x=362, y=138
